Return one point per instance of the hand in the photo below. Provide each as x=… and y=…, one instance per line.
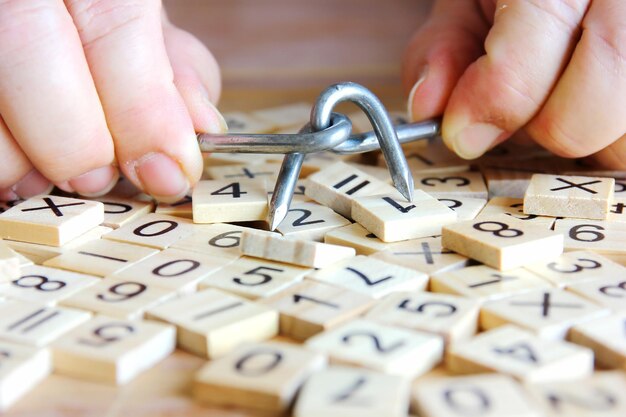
x=556, y=68
x=87, y=86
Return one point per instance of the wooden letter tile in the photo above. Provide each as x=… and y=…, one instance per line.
x=153, y=230
x=452, y=184
x=21, y=369
x=217, y=201
x=607, y=338
x=310, y=221
x=357, y=237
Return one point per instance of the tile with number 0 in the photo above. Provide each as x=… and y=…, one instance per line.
x=466, y=208
x=609, y=292
x=153, y=230
x=220, y=201
x=452, y=184
x=606, y=337
x=21, y=369
x=599, y=236
x=513, y=207
x=310, y=221
x=357, y=237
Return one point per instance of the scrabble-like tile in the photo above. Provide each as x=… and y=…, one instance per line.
x=260, y=376
x=9, y=263
x=50, y=220
x=299, y=195
x=357, y=237
x=454, y=318
x=217, y=201
x=210, y=323
x=509, y=183
x=315, y=162
x=466, y=208
x=485, y=283
x=119, y=211
x=435, y=158
x=310, y=221
x=220, y=240
x=338, y=184
x=254, y=278
x=119, y=298
x=513, y=207
x=352, y=392
x=46, y=286
x=488, y=395
x=606, y=337
x=153, y=230
x=452, y=184
x=387, y=349
x=609, y=292
x=311, y=307
x=275, y=247
x=21, y=369
x=100, y=257
x=230, y=173
x=516, y=352
x=239, y=122
x=618, y=210
x=602, y=237
x=294, y=114
x=110, y=350
x=373, y=170
x=391, y=218
x=502, y=242
x=182, y=208
x=569, y=196
x=372, y=277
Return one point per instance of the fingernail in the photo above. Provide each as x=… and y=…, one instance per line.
x=416, y=86
x=96, y=182
x=31, y=185
x=212, y=120
x=476, y=139
x=162, y=177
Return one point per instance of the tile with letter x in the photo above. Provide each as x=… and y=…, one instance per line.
x=110, y=350
x=513, y=207
x=569, y=196
x=220, y=201
x=609, y=292
x=607, y=337
x=153, y=230
x=452, y=184
x=310, y=221
x=50, y=220
x=352, y=392
x=260, y=376
x=357, y=237
x=21, y=369
x=599, y=236
x=267, y=172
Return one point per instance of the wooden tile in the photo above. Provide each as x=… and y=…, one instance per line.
x=338, y=184
x=311, y=307
x=220, y=240
x=357, y=237
x=211, y=323
x=220, y=159
x=381, y=173
x=230, y=173
x=509, y=183
x=110, y=350
x=391, y=218
x=297, y=114
x=50, y=220
x=9, y=263
x=569, y=196
x=609, y=292
x=483, y=395
x=618, y=210
x=606, y=337
x=502, y=242
x=599, y=236
x=182, y=208
x=425, y=255
x=153, y=230
x=382, y=348
x=36, y=325
x=119, y=298
x=310, y=221
x=516, y=352
x=372, y=277
x=452, y=184
x=260, y=376
x=315, y=162
x=254, y=278
x=217, y=201
x=5, y=205
x=46, y=286
x=513, y=207
x=119, y=211
x=100, y=257
x=21, y=369
x=299, y=195
x=485, y=283
x=239, y=122
x=352, y=392
x=454, y=318
x=298, y=252
x=466, y=208
x=435, y=158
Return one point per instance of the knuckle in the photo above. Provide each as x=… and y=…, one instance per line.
x=608, y=45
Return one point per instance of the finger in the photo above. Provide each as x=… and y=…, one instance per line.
x=439, y=53
x=154, y=138
x=587, y=109
x=613, y=156
x=47, y=96
x=527, y=49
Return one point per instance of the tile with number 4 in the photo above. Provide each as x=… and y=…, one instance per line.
x=221, y=201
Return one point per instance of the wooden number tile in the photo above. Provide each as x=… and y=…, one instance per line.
x=487, y=395
x=453, y=184
x=373, y=170
x=119, y=298
x=268, y=172
x=217, y=201
x=425, y=255
x=600, y=395
x=336, y=185
x=100, y=257
x=606, y=337
x=36, y=325
x=311, y=307
x=182, y=208
x=435, y=158
x=275, y=247
x=219, y=159
x=454, y=318
x=383, y=348
x=310, y=221
x=119, y=211
x=575, y=267
x=21, y=369
x=513, y=207
x=392, y=219
x=299, y=195
x=294, y=114
x=50, y=220
x=315, y=162
x=211, y=323
x=502, y=242
x=603, y=237
x=516, y=352
x=609, y=292
x=466, y=208
x=254, y=278
x=353, y=392
x=24, y=261
x=618, y=210
x=46, y=286
x=372, y=277
x=110, y=350
x=569, y=196
x=220, y=240
x=548, y=313
x=239, y=122
x=506, y=182
x=260, y=376
x=485, y=283
x=357, y=237
x=9, y=263
x=153, y=230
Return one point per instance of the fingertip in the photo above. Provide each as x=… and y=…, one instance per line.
x=31, y=184
x=162, y=177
